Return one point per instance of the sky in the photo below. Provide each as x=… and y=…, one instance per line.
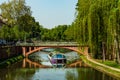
x=51, y=13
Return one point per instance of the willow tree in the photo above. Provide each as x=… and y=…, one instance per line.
x=112, y=22
x=81, y=20
x=116, y=25
x=98, y=24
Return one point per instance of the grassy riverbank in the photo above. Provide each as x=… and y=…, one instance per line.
x=11, y=61
x=101, y=67
x=110, y=63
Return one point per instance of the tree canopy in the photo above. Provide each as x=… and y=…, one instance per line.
x=20, y=24
x=97, y=24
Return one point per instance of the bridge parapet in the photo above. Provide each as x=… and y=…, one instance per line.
x=48, y=44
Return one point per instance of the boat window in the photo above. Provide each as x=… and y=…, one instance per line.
x=59, y=61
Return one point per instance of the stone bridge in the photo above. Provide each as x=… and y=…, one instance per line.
x=29, y=48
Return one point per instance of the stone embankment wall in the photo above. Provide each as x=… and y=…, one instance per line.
x=9, y=51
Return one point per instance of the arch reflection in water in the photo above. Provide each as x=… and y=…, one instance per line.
x=30, y=64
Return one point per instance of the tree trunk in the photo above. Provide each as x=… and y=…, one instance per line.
x=118, y=56
x=103, y=53
x=118, y=51
x=113, y=52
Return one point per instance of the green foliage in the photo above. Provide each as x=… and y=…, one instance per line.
x=20, y=24
x=14, y=9
x=97, y=22
x=11, y=61
x=54, y=34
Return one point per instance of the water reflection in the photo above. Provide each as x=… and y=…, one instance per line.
x=30, y=70
x=27, y=63
x=53, y=74
x=16, y=74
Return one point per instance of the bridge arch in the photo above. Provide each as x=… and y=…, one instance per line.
x=81, y=50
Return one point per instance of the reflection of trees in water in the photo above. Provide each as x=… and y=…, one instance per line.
x=24, y=74
x=91, y=74
x=71, y=75
x=81, y=74
x=84, y=74
x=16, y=74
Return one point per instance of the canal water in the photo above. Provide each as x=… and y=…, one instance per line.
x=26, y=71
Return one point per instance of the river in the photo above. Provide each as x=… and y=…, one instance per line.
x=26, y=71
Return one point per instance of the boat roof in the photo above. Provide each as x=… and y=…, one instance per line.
x=59, y=55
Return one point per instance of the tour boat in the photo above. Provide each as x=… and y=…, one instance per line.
x=57, y=59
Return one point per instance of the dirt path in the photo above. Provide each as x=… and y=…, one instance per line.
x=115, y=69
